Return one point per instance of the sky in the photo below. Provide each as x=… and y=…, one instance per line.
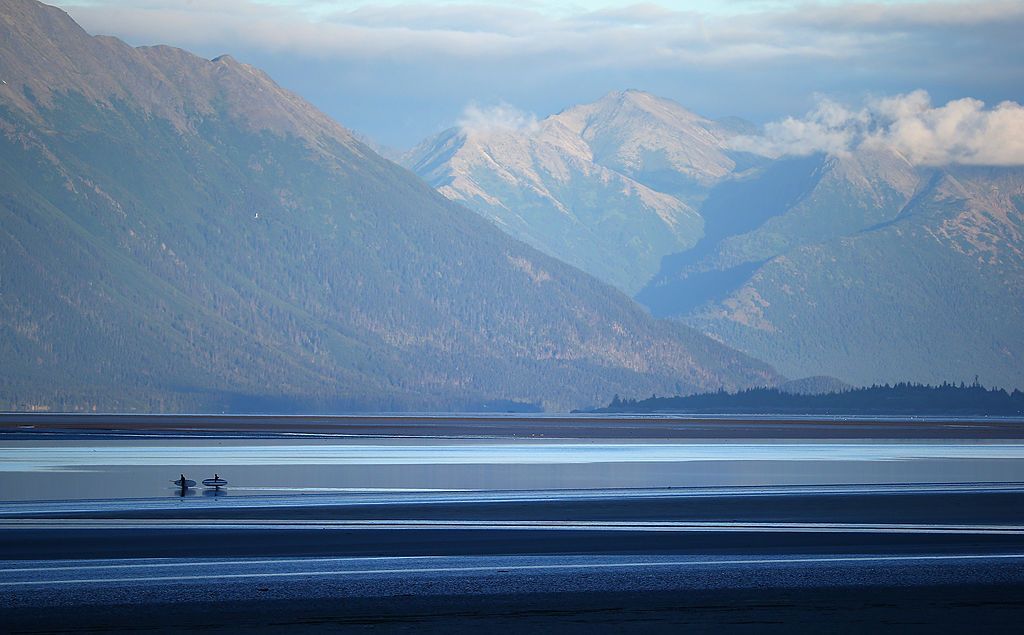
x=401, y=71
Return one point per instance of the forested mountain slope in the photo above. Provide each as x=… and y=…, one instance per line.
x=182, y=234
x=935, y=292
x=791, y=202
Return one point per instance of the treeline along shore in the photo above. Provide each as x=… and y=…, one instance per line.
x=901, y=398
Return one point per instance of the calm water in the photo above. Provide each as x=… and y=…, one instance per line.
x=116, y=468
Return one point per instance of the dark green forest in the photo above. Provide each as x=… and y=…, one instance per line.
x=901, y=398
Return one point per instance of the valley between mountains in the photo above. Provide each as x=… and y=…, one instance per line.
x=861, y=264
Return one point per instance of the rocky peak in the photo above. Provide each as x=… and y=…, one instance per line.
x=45, y=54
x=638, y=133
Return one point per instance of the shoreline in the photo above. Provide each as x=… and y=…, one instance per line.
x=673, y=425
x=66, y=425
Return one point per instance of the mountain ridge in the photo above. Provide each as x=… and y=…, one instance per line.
x=610, y=124
x=942, y=274
x=576, y=186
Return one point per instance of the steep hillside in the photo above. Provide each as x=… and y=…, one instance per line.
x=183, y=234
x=934, y=293
x=766, y=212
x=860, y=266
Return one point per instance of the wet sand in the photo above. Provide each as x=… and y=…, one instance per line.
x=914, y=587
x=741, y=520
x=902, y=557
x=617, y=607
x=839, y=560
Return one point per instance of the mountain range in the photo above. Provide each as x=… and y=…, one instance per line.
x=858, y=265
x=182, y=234
x=609, y=187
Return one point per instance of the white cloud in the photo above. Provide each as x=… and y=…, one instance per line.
x=476, y=119
x=962, y=131
x=831, y=128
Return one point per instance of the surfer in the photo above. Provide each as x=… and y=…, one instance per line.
x=183, y=485
x=215, y=483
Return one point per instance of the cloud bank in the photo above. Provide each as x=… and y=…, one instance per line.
x=628, y=34
x=400, y=70
x=962, y=131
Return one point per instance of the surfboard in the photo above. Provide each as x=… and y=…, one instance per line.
x=188, y=482
x=214, y=482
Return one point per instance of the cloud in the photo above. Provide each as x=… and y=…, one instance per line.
x=615, y=35
x=963, y=131
x=403, y=69
x=898, y=16
x=476, y=119
x=830, y=128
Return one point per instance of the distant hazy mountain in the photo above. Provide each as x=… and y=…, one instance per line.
x=608, y=187
x=766, y=212
x=178, y=233
x=861, y=267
